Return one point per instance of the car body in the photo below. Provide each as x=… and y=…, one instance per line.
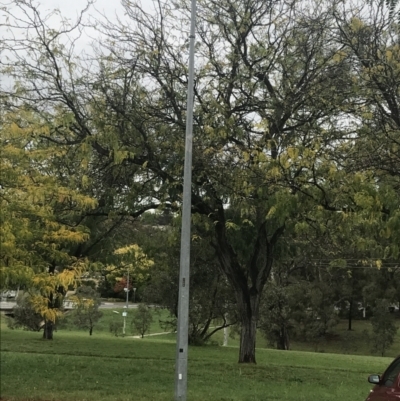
x=387, y=386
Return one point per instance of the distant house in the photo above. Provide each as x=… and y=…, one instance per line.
x=7, y=294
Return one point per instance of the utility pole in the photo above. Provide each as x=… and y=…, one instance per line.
x=125, y=312
x=184, y=270
x=226, y=331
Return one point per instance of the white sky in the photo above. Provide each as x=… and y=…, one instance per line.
x=70, y=8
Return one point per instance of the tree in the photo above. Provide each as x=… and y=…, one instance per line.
x=86, y=310
x=392, y=5
x=142, y=319
x=383, y=328
x=132, y=260
x=301, y=309
x=315, y=315
x=37, y=219
x=254, y=113
x=382, y=286
x=370, y=38
x=120, y=286
x=59, y=181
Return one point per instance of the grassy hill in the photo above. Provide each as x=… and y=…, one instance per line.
x=75, y=366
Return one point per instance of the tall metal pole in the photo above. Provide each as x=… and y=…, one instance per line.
x=184, y=271
x=125, y=313
x=127, y=291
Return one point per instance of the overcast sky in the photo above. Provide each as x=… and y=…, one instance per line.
x=70, y=8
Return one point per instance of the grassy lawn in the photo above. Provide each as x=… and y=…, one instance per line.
x=75, y=366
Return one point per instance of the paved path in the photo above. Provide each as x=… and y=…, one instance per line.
x=154, y=334
x=116, y=305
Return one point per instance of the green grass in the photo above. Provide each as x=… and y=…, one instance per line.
x=342, y=341
x=75, y=366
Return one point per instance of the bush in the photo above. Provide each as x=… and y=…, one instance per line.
x=383, y=328
x=276, y=321
x=142, y=319
x=25, y=316
x=86, y=313
x=89, y=283
x=116, y=328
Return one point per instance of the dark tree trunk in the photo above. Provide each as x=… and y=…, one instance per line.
x=248, y=315
x=283, y=340
x=90, y=330
x=350, y=316
x=48, y=330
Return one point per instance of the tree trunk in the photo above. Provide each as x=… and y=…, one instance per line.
x=90, y=330
x=283, y=340
x=248, y=310
x=350, y=316
x=247, y=352
x=48, y=330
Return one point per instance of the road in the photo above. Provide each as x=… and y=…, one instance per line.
x=8, y=305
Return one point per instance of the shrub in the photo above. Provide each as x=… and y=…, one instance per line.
x=142, y=319
x=116, y=328
x=383, y=328
x=25, y=316
x=86, y=313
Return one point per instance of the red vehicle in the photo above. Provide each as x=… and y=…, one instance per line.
x=387, y=386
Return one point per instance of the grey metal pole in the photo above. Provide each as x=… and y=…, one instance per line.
x=125, y=313
x=184, y=271
x=226, y=332
x=127, y=292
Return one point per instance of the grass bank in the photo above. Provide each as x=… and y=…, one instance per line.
x=77, y=367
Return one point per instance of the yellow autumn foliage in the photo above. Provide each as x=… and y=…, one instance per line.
x=32, y=205
x=132, y=259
